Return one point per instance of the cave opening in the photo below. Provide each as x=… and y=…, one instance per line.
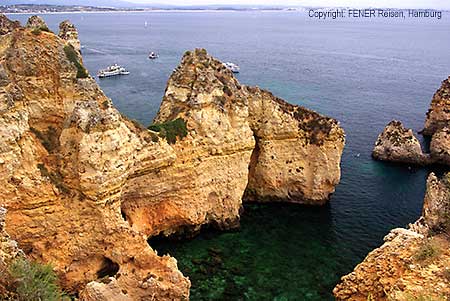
x=108, y=268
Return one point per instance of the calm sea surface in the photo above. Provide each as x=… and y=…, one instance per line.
x=364, y=73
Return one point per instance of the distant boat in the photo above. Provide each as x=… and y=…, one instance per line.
x=145, y=24
x=232, y=67
x=112, y=70
x=153, y=55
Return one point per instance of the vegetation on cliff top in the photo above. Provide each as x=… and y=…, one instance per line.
x=72, y=56
x=34, y=281
x=171, y=130
x=37, y=31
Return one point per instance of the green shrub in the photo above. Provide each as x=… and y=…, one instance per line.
x=55, y=177
x=35, y=281
x=427, y=250
x=73, y=58
x=171, y=130
x=45, y=28
x=36, y=31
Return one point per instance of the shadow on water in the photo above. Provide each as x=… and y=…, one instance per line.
x=281, y=252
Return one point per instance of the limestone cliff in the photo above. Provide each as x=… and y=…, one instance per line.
x=440, y=146
x=85, y=187
x=398, y=144
x=412, y=264
x=438, y=116
x=56, y=213
x=68, y=32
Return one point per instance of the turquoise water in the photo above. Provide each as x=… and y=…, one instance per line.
x=364, y=73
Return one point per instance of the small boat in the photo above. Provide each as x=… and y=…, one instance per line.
x=232, y=67
x=153, y=55
x=112, y=70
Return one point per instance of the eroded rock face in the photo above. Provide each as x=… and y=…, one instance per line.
x=56, y=213
x=438, y=116
x=412, y=262
x=68, y=32
x=398, y=144
x=36, y=22
x=298, y=151
x=296, y=157
x=6, y=25
x=440, y=146
x=85, y=186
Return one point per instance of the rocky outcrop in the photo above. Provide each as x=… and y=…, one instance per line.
x=440, y=146
x=9, y=252
x=298, y=151
x=438, y=116
x=36, y=22
x=85, y=187
x=6, y=25
x=398, y=144
x=68, y=32
x=55, y=213
x=412, y=263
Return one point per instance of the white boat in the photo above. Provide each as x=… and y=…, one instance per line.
x=232, y=67
x=112, y=70
x=153, y=55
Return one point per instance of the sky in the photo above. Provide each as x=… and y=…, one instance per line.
x=438, y=4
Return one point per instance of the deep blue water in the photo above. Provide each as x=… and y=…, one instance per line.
x=364, y=73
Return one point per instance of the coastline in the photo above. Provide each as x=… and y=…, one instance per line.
x=152, y=11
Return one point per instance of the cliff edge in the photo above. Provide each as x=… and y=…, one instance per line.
x=413, y=263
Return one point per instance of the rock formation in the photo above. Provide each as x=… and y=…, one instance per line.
x=55, y=214
x=36, y=22
x=398, y=144
x=85, y=187
x=68, y=32
x=9, y=251
x=438, y=116
x=6, y=25
x=298, y=152
x=440, y=146
x=412, y=264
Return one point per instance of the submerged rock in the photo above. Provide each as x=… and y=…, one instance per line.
x=398, y=144
x=412, y=263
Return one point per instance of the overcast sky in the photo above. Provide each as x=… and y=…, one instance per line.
x=439, y=4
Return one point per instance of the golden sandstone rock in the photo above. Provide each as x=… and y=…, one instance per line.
x=398, y=144
x=85, y=187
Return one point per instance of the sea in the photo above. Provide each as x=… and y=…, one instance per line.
x=363, y=72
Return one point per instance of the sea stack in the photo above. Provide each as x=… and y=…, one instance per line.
x=438, y=116
x=398, y=144
x=85, y=187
